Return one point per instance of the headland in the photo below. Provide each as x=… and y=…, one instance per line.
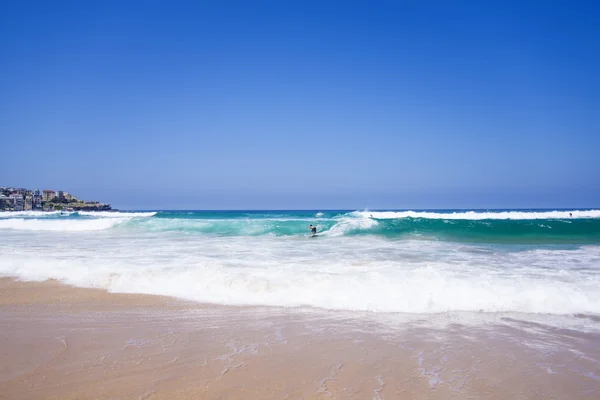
x=20, y=199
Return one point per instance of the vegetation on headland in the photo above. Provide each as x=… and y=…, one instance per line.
x=76, y=205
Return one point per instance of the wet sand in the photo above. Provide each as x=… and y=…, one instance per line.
x=60, y=342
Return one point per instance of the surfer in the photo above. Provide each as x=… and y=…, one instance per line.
x=313, y=229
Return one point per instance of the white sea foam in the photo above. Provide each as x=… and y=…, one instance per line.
x=60, y=222
x=117, y=214
x=342, y=273
x=347, y=225
x=64, y=225
x=54, y=214
x=477, y=215
x=28, y=214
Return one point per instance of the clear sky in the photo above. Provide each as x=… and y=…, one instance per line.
x=302, y=104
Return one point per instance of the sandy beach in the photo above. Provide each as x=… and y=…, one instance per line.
x=60, y=342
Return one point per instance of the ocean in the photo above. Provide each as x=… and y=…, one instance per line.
x=446, y=304
x=531, y=262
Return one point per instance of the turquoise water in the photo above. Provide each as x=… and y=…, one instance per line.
x=451, y=225
x=525, y=261
x=481, y=226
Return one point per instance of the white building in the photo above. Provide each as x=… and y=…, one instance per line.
x=28, y=205
x=48, y=195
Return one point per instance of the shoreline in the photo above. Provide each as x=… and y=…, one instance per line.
x=64, y=342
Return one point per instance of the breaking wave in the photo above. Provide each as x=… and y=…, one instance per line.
x=575, y=226
x=382, y=276
x=60, y=225
x=396, y=261
x=480, y=215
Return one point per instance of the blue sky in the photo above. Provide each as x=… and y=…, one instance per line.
x=300, y=104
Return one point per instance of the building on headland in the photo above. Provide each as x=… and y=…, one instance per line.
x=15, y=199
x=69, y=196
x=37, y=201
x=28, y=204
x=66, y=196
x=4, y=202
x=48, y=195
x=18, y=202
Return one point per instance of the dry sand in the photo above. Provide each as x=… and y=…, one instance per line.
x=60, y=342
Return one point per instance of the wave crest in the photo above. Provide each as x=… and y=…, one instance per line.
x=479, y=215
x=349, y=225
x=61, y=225
x=117, y=214
x=29, y=214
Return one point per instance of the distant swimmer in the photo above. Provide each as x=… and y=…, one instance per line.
x=313, y=229
x=570, y=214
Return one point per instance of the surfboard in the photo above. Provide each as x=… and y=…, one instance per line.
x=315, y=235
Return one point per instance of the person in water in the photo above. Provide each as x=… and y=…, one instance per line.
x=313, y=229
